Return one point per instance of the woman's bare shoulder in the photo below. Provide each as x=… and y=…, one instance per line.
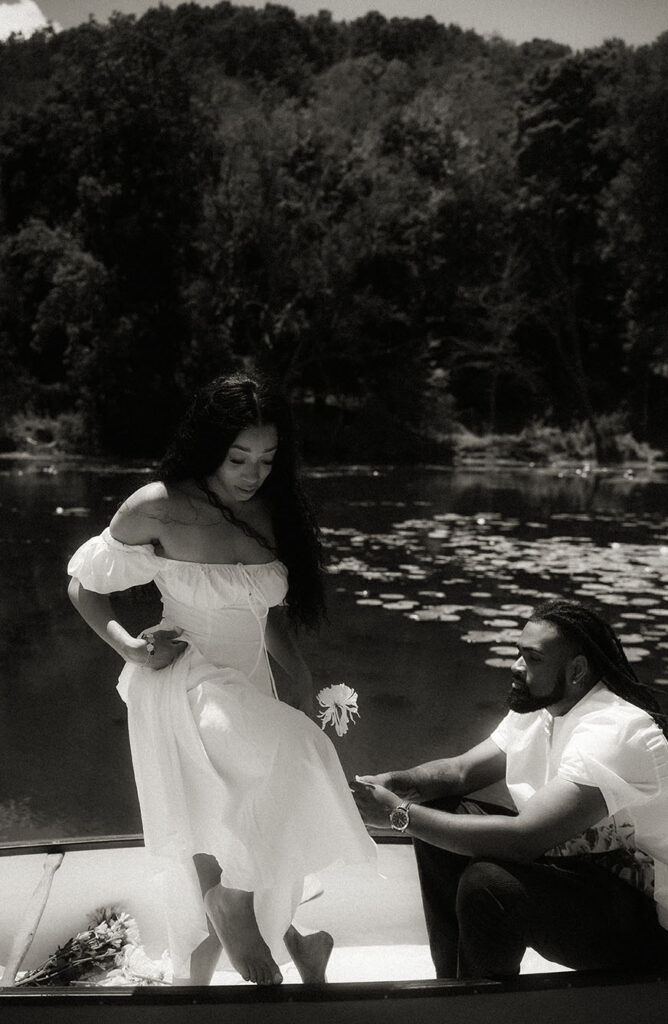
x=148, y=511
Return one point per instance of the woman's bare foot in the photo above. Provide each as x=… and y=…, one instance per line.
x=310, y=953
x=232, y=915
x=203, y=960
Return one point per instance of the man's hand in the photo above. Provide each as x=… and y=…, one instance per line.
x=374, y=802
x=404, y=783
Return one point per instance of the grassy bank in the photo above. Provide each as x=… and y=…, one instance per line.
x=330, y=436
x=539, y=444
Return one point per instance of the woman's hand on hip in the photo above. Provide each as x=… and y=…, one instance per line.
x=157, y=648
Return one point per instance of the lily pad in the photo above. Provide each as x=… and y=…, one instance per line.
x=486, y=636
x=434, y=614
x=521, y=610
x=637, y=654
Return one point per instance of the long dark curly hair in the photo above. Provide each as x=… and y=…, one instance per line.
x=597, y=640
x=218, y=413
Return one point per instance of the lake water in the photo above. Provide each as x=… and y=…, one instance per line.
x=432, y=572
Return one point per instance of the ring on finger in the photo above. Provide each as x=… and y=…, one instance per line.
x=150, y=644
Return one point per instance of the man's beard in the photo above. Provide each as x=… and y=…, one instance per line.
x=523, y=701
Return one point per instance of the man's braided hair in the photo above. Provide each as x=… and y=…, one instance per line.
x=597, y=640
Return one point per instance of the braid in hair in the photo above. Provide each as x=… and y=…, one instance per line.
x=229, y=515
x=604, y=651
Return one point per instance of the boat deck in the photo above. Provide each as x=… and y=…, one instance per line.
x=380, y=971
x=376, y=919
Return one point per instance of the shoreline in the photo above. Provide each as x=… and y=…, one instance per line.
x=485, y=461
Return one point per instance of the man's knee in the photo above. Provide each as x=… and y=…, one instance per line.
x=491, y=919
x=487, y=887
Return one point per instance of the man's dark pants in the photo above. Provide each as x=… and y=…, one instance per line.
x=482, y=913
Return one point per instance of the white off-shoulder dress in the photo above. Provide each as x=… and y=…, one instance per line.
x=222, y=766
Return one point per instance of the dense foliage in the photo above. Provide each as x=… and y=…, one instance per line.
x=413, y=225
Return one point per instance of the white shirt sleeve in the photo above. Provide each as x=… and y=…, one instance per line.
x=627, y=759
x=502, y=734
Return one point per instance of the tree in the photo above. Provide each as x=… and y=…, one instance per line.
x=635, y=218
x=566, y=155
x=355, y=206
x=52, y=312
x=115, y=157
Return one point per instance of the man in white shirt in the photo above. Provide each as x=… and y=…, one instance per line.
x=579, y=871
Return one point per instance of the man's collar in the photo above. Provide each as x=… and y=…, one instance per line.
x=549, y=718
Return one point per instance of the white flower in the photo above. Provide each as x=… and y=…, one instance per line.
x=340, y=707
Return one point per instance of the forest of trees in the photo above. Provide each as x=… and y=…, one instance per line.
x=415, y=226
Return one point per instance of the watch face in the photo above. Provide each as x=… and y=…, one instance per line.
x=399, y=818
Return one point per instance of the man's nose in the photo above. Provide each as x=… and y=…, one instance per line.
x=518, y=667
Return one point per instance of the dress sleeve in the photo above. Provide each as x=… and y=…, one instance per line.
x=104, y=564
x=627, y=761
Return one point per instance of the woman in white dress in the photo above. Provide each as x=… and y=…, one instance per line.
x=241, y=795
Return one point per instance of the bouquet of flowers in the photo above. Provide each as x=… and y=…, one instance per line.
x=339, y=704
x=91, y=954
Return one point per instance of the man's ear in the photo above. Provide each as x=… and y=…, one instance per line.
x=579, y=669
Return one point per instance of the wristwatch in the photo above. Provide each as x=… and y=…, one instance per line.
x=399, y=817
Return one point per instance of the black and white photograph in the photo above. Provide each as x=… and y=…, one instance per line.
x=334, y=511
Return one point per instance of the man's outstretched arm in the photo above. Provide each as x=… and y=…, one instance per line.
x=559, y=811
x=480, y=766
